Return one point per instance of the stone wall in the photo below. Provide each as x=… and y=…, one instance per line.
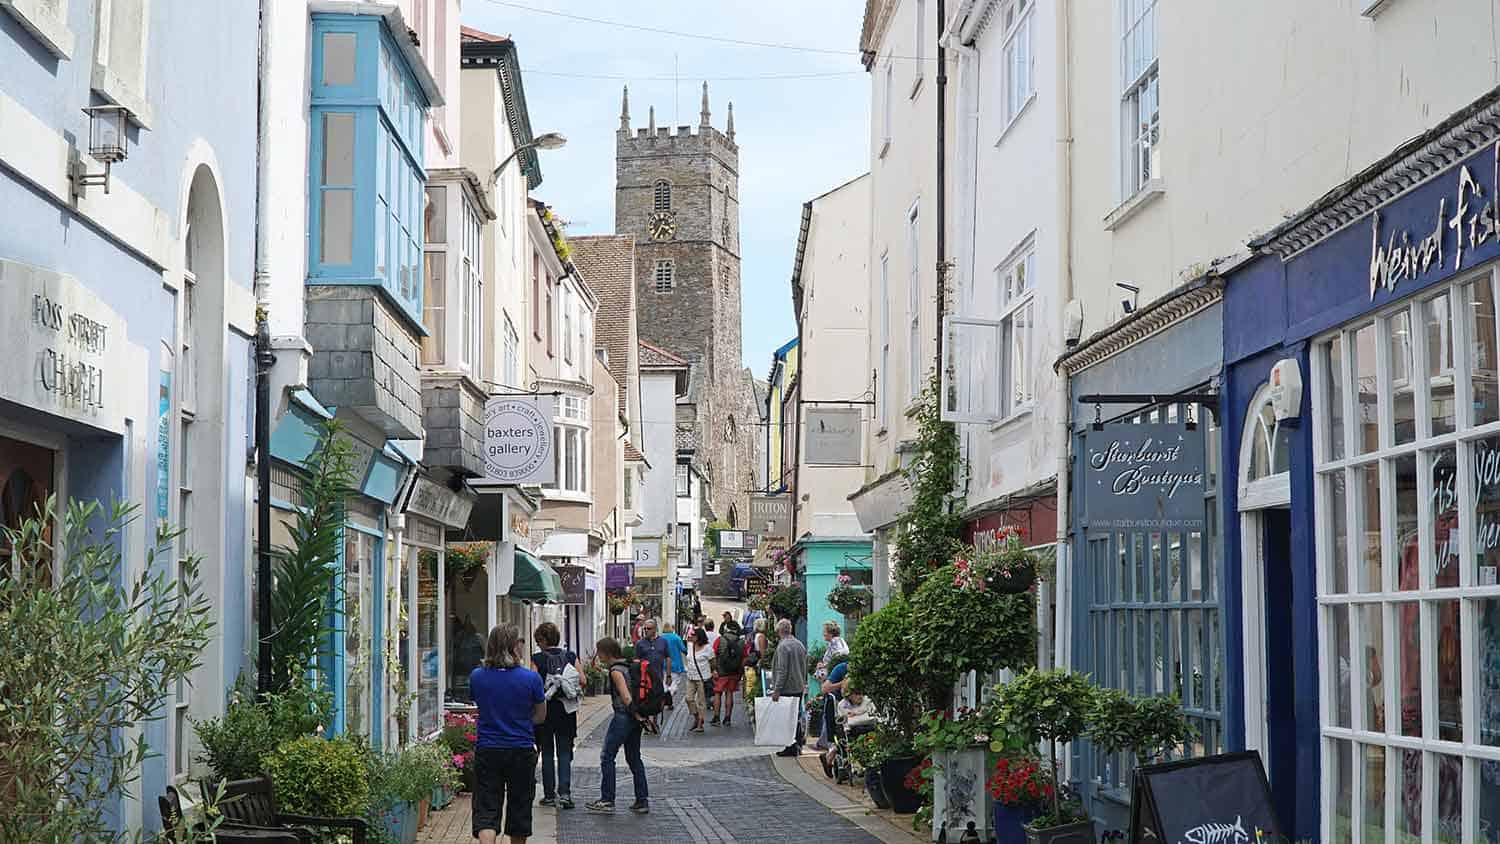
x=453, y=414
x=364, y=358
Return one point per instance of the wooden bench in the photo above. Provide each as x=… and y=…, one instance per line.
x=173, y=826
x=252, y=802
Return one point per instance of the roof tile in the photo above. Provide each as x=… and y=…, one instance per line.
x=608, y=263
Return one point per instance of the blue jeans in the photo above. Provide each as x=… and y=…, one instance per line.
x=624, y=731
x=557, y=775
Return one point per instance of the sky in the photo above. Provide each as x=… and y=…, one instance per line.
x=798, y=137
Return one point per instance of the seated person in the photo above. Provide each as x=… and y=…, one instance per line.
x=855, y=712
x=833, y=691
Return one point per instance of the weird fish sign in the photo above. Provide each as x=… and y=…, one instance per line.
x=1223, y=799
x=518, y=440
x=1143, y=477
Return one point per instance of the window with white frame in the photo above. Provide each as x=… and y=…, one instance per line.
x=1019, y=82
x=664, y=276
x=913, y=303
x=683, y=488
x=919, y=46
x=1140, y=120
x=570, y=433
x=1406, y=438
x=512, y=355
x=661, y=199
x=472, y=285
x=1017, y=286
x=583, y=332
x=628, y=487
x=882, y=374
x=435, y=286
x=187, y=404
x=567, y=325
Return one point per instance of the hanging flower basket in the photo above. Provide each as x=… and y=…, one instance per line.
x=466, y=560
x=848, y=599
x=621, y=601
x=1006, y=567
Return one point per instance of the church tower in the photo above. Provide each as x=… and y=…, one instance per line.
x=677, y=193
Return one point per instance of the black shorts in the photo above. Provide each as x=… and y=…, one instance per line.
x=504, y=780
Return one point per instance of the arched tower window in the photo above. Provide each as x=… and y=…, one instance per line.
x=663, y=196
x=734, y=516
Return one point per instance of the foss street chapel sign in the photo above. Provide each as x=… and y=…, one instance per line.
x=1143, y=477
x=518, y=440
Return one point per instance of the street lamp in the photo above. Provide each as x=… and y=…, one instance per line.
x=550, y=140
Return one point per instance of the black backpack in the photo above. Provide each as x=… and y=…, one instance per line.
x=731, y=654
x=646, y=689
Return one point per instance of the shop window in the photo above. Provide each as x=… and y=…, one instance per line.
x=1153, y=619
x=1408, y=526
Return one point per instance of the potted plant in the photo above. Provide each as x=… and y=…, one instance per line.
x=868, y=753
x=957, y=746
x=1020, y=787
x=789, y=602
x=459, y=734
x=1148, y=727
x=847, y=599
x=465, y=560
x=1055, y=707
x=880, y=666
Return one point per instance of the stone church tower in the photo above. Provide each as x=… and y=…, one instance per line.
x=677, y=192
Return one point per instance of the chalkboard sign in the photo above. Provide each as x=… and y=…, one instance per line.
x=1220, y=799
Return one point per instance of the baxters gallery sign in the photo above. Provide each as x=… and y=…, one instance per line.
x=1143, y=477
x=518, y=440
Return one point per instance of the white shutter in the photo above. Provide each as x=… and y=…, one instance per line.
x=971, y=385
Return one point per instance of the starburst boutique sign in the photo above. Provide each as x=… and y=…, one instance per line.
x=1143, y=477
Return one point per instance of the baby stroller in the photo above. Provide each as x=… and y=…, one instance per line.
x=838, y=765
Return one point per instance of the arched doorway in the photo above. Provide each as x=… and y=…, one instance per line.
x=1266, y=586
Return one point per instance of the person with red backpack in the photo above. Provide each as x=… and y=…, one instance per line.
x=636, y=694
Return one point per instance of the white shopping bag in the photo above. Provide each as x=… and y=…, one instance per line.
x=776, y=721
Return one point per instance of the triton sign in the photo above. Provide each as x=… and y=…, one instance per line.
x=1146, y=477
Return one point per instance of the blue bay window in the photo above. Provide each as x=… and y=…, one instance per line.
x=366, y=183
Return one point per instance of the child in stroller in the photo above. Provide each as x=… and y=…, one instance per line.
x=854, y=719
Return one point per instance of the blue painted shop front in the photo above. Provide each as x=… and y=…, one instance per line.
x=1363, y=530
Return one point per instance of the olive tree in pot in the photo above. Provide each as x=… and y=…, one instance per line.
x=1052, y=707
x=880, y=666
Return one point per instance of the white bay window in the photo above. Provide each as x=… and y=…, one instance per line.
x=453, y=288
x=990, y=351
x=570, y=432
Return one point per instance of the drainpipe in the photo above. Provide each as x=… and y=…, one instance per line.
x=1063, y=648
x=264, y=361
x=942, y=183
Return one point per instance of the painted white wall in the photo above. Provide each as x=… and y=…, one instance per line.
x=658, y=441
x=485, y=142
x=1300, y=98
x=834, y=325
x=1004, y=191
x=283, y=235
x=902, y=172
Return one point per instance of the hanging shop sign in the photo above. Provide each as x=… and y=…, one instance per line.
x=1143, y=477
x=518, y=440
x=619, y=575
x=574, y=585
x=432, y=500
x=833, y=436
x=771, y=516
x=69, y=351
x=1208, y=799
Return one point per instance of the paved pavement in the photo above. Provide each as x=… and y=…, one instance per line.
x=710, y=788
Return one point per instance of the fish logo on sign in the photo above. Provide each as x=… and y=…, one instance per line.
x=1217, y=833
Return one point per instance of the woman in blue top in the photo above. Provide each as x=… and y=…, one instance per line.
x=510, y=700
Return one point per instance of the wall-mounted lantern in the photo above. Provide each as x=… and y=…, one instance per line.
x=107, y=143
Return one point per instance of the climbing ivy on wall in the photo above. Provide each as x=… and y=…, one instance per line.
x=930, y=532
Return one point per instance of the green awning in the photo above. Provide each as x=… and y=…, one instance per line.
x=535, y=581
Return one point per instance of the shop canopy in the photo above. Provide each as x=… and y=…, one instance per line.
x=535, y=581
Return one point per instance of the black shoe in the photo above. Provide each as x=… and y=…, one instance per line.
x=789, y=753
x=640, y=807
x=714, y=722
x=547, y=801
x=827, y=765
x=565, y=802
x=604, y=806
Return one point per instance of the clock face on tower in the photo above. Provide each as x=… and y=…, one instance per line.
x=661, y=225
